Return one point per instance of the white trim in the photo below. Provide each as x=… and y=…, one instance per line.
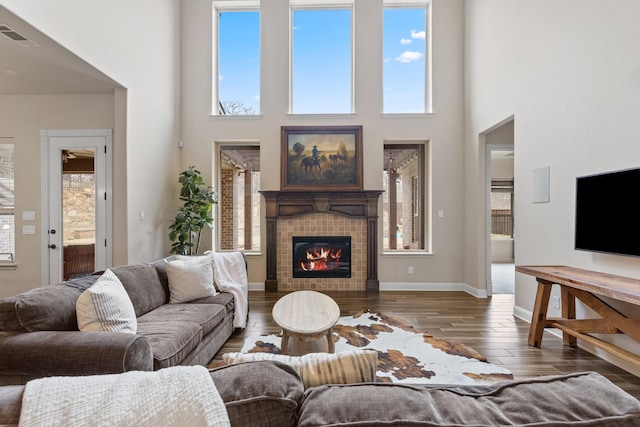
x=320, y=3
x=256, y=286
x=404, y=3
x=239, y=5
x=102, y=252
x=434, y=286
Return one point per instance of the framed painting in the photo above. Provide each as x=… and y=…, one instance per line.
x=321, y=158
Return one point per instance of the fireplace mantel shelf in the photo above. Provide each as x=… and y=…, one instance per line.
x=354, y=204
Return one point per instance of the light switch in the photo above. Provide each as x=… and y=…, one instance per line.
x=28, y=229
x=28, y=215
x=441, y=213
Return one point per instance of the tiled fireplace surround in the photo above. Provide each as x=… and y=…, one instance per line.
x=353, y=213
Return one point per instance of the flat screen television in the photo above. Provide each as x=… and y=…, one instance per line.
x=607, y=212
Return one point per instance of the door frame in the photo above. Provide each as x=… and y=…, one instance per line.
x=45, y=153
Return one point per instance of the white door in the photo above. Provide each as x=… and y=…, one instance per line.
x=76, y=203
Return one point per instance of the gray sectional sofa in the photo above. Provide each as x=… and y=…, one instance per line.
x=268, y=393
x=39, y=335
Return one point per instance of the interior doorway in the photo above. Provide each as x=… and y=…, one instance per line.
x=500, y=208
x=76, y=203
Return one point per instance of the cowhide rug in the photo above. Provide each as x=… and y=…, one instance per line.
x=405, y=355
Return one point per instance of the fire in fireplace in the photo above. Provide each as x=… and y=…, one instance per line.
x=322, y=256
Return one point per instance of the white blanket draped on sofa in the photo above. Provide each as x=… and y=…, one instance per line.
x=176, y=396
x=230, y=275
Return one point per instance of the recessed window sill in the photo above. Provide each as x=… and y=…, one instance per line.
x=8, y=266
x=236, y=116
x=401, y=252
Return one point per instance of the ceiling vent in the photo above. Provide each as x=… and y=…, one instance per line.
x=16, y=37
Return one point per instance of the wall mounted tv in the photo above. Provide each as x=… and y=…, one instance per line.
x=607, y=214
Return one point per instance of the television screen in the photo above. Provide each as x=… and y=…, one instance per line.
x=607, y=213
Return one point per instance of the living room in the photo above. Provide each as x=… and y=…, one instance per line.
x=565, y=74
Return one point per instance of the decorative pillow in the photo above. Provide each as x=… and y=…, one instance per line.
x=190, y=279
x=105, y=306
x=347, y=367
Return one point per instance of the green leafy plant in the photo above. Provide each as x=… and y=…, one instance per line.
x=194, y=215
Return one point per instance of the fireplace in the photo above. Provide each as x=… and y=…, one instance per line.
x=355, y=212
x=321, y=256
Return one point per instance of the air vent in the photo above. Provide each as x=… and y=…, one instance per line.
x=16, y=37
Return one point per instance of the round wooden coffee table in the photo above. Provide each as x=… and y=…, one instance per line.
x=306, y=319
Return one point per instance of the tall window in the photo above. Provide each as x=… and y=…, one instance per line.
x=7, y=201
x=403, y=214
x=239, y=198
x=321, y=61
x=405, y=59
x=238, y=64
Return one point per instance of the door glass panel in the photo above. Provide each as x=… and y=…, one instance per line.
x=78, y=212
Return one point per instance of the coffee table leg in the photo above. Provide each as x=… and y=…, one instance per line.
x=284, y=345
x=330, y=344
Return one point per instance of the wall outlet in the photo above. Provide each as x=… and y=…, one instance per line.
x=556, y=302
x=410, y=270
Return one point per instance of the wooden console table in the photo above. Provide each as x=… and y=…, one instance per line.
x=588, y=286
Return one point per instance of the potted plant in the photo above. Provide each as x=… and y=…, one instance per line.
x=194, y=215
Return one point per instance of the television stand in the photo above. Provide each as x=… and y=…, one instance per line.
x=589, y=287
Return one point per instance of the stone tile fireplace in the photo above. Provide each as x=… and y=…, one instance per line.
x=320, y=215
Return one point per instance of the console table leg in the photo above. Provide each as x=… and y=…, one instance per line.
x=568, y=312
x=539, y=317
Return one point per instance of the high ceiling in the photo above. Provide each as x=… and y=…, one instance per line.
x=32, y=63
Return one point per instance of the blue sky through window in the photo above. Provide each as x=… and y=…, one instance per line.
x=322, y=61
x=322, y=65
x=239, y=58
x=404, y=60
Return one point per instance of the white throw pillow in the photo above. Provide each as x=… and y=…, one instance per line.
x=190, y=278
x=106, y=307
x=346, y=367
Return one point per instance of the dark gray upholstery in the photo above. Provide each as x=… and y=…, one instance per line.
x=39, y=334
x=267, y=393
x=259, y=394
x=583, y=399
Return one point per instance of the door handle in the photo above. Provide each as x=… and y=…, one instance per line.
x=52, y=246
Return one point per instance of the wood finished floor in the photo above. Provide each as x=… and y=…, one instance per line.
x=487, y=325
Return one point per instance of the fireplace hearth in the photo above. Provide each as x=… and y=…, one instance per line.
x=321, y=256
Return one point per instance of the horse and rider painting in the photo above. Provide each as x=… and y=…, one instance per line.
x=321, y=158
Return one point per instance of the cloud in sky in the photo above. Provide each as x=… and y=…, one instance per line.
x=418, y=34
x=409, y=56
x=220, y=78
x=405, y=41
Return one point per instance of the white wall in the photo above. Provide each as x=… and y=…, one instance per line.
x=137, y=44
x=442, y=128
x=22, y=117
x=569, y=73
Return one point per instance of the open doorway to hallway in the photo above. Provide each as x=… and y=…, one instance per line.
x=500, y=212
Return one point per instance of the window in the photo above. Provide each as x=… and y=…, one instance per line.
x=321, y=61
x=239, y=198
x=238, y=60
x=7, y=201
x=405, y=59
x=501, y=208
x=403, y=214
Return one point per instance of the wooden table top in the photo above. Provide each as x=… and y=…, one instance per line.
x=609, y=285
x=306, y=312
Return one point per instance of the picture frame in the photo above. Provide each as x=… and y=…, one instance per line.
x=321, y=158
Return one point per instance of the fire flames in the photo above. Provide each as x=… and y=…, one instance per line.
x=319, y=259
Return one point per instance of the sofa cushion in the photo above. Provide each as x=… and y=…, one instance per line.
x=49, y=308
x=315, y=369
x=143, y=285
x=106, y=307
x=577, y=399
x=190, y=278
x=205, y=315
x=259, y=394
x=171, y=341
x=223, y=298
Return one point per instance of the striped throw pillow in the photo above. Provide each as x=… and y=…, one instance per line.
x=106, y=307
x=190, y=278
x=347, y=367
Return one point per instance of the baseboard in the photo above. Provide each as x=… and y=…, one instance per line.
x=256, y=286
x=413, y=286
x=526, y=315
